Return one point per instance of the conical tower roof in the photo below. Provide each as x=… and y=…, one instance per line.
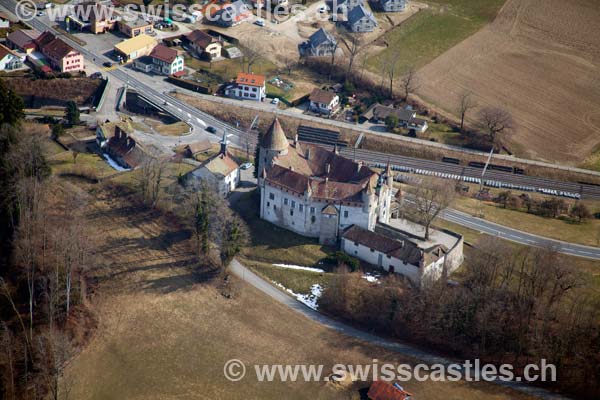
x=275, y=138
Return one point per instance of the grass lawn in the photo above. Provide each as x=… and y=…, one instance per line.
x=175, y=129
x=271, y=244
x=227, y=68
x=587, y=233
x=432, y=31
x=297, y=281
x=86, y=163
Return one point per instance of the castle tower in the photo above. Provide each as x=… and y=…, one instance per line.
x=273, y=144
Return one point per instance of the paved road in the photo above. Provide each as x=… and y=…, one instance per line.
x=520, y=237
x=245, y=274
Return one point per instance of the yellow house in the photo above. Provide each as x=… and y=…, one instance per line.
x=136, y=47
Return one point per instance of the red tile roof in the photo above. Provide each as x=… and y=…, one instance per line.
x=52, y=46
x=381, y=390
x=250, y=79
x=200, y=38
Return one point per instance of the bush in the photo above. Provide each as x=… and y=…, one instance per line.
x=580, y=212
x=340, y=258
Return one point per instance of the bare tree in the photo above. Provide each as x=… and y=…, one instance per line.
x=429, y=200
x=467, y=103
x=497, y=123
x=253, y=52
x=354, y=48
x=290, y=62
x=409, y=82
x=390, y=64
x=151, y=174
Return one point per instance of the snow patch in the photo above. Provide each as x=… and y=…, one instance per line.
x=289, y=266
x=310, y=300
x=371, y=277
x=113, y=163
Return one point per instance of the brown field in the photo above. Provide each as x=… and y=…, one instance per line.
x=540, y=60
x=58, y=90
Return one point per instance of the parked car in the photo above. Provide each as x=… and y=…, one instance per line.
x=96, y=75
x=247, y=165
x=211, y=129
x=40, y=14
x=275, y=101
x=107, y=64
x=259, y=22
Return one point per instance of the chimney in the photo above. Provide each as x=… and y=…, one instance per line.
x=336, y=149
x=224, y=143
x=308, y=153
x=327, y=168
x=291, y=167
x=358, y=166
x=296, y=140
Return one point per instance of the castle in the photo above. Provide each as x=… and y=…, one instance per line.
x=316, y=192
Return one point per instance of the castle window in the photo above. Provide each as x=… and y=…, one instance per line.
x=292, y=213
x=300, y=207
x=293, y=204
x=285, y=201
x=272, y=196
x=346, y=214
x=313, y=210
x=372, y=250
x=268, y=204
x=313, y=219
x=274, y=207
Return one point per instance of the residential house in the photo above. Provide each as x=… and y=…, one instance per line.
x=4, y=21
x=248, y=86
x=402, y=254
x=136, y=27
x=323, y=102
x=204, y=45
x=144, y=64
x=93, y=16
x=230, y=14
x=382, y=390
x=22, y=40
x=344, y=6
x=139, y=46
x=121, y=147
x=221, y=171
x=319, y=44
x=9, y=60
x=378, y=113
x=314, y=191
x=193, y=149
x=393, y=5
x=167, y=61
x=360, y=20
x=59, y=54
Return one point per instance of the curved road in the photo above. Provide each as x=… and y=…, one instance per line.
x=248, y=276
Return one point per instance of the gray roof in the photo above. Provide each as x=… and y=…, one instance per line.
x=358, y=13
x=321, y=36
x=387, y=1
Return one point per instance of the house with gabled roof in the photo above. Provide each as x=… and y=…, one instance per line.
x=59, y=54
x=319, y=44
x=22, y=40
x=323, y=102
x=230, y=14
x=166, y=60
x=9, y=60
x=314, y=191
x=248, y=86
x=361, y=20
x=221, y=171
x=204, y=45
x=393, y=5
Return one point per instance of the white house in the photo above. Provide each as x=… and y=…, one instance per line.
x=248, y=86
x=221, y=171
x=167, y=61
x=9, y=60
x=402, y=254
x=323, y=102
x=314, y=191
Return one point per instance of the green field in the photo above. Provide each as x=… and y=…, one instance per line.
x=431, y=32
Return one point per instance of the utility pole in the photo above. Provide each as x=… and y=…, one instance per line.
x=485, y=167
